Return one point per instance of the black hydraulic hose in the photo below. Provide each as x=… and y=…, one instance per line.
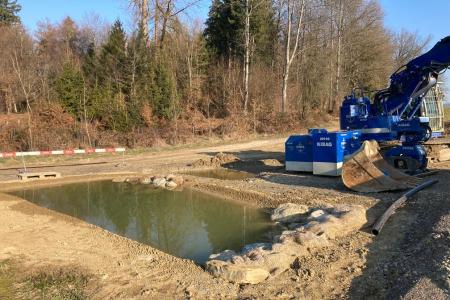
x=388, y=213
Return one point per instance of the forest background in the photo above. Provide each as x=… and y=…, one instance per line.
x=254, y=67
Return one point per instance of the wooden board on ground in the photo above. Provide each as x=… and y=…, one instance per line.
x=39, y=175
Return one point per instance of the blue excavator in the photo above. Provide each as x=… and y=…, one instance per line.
x=393, y=118
x=394, y=114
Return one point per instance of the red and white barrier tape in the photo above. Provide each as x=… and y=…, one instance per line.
x=60, y=152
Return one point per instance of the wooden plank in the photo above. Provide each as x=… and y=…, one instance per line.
x=39, y=175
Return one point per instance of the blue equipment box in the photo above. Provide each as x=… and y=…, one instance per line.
x=330, y=148
x=321, y=152
x=299, y=155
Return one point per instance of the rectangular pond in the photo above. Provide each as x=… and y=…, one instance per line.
x=187, y=224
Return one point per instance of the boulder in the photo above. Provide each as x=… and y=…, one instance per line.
x=318, y=214
x=289, y=213
x=311, y=240
x=159, y=182
x=119, y=179
x=226, y=255
x=146, y=180
x=250, y=247
x=236, y=273
x=171, y=185
x=132, y=180
x=178, y=179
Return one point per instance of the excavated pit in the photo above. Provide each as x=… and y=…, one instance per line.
x=185, y=223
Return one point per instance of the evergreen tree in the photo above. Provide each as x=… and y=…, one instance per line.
x=141, y=68
x=8, y=12
x=164, y=92
x=263, y=30
x=70, y=90
x=224, y=32
x=113, y=59
x=90, y=65
x=224, y=27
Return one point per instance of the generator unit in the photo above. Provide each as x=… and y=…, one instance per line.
x=321, y=152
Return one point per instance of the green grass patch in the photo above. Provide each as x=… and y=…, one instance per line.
x=58, y=284
x=6, y=281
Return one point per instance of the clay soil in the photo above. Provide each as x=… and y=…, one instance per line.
x=45, y=254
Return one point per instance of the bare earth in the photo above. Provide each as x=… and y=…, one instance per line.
x=410, y=258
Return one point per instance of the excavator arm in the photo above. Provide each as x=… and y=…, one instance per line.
x=410, y=83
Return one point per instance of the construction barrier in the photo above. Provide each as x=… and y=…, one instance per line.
x=60, y=152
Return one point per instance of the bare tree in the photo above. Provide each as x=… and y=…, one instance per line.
x=248, y=12
x=340, y=33
x=168, y=9
x=408, y=45
x=295, y=12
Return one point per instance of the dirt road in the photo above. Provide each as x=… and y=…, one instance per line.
x=143, y=162
x=48, y=253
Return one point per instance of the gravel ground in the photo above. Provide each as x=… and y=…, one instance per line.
x=409, y=259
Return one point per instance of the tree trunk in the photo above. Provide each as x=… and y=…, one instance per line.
x=289, y=56
x=338, y=56
x=247, y=56
x=155, y=26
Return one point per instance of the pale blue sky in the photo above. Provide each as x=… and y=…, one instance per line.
x=430, y=17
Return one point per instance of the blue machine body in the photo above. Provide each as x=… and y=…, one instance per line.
x=299, y=153
x=329, y=149
x=320, y=151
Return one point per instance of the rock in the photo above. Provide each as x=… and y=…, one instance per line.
x=256, y=254
x=132, y=180
x=171, y=185
x=159, y=182
x=250, y=247
x=291, y=248
x=146, y=180
x=318, y=214
x=119, y=179
x=289, y=213
x=236, y=273
x=275, y=262
x=237, y=259
x=226, y=255
x=169, y=177
x=293, y=226
x=178, y=179
x=350, y=219
x=286, y=235
x=310, y=240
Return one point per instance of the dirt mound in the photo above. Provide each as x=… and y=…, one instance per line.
x=216, y=161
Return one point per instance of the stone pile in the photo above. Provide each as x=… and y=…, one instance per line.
x=309, y=229
x=170, y=181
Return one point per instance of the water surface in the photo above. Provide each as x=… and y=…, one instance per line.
x=187, y=223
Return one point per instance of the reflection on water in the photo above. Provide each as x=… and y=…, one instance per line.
x=187, y=223
x=224, y=174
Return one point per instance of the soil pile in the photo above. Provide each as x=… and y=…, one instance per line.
x=216, y=161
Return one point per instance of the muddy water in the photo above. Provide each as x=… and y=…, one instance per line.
x=223, y=174
x=186, y=224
